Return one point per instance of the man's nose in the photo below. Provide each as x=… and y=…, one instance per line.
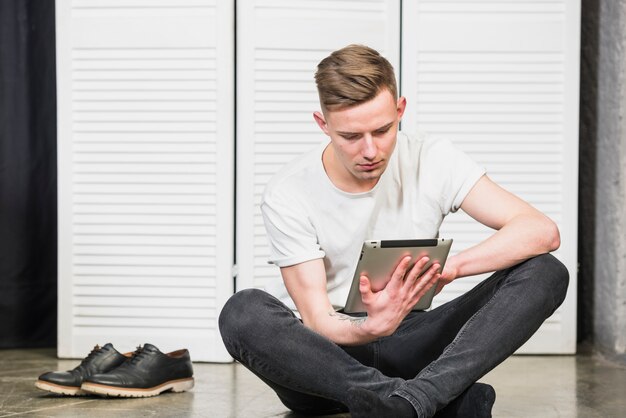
x=369, y=150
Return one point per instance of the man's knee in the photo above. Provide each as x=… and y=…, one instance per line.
x=240, y=313
x=552, y=275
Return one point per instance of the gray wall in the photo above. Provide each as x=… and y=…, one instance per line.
x=602, y=199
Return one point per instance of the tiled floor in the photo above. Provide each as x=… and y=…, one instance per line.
x=549, y=386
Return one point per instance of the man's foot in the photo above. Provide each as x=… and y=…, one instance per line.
x=475, y=402
x=364, y=403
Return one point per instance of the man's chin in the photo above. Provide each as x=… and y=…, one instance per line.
x=369, y=176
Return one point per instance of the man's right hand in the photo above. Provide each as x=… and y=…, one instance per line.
x=387, y=308
x=306, y=283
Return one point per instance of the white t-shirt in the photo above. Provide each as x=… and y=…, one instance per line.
x=307, y=217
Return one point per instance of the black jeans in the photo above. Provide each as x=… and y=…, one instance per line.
x=431, y=358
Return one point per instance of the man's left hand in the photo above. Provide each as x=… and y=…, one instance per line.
x=450, y=272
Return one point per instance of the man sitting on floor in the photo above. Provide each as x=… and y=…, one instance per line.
x=371, y=181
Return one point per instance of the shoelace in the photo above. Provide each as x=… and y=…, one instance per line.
x=84, y=364
x=138, y=354
x=91, y=355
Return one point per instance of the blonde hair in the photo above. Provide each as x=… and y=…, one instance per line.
x=353, y=75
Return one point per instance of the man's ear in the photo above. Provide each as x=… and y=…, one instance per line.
x=321, y=122
x=401, y=106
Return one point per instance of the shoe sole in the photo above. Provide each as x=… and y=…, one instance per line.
x=60, y=389
x=179, y=385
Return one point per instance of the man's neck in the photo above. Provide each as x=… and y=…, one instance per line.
x=341, y=177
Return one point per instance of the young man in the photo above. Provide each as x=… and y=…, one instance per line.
x=373, y=182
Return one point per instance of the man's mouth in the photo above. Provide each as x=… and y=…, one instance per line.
x=370, y=166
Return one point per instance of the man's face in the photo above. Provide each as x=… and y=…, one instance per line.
x=363, y=138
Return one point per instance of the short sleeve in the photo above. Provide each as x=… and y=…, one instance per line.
x=291, y=235
x=452, y=173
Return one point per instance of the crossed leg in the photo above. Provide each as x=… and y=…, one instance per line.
x=429, y=361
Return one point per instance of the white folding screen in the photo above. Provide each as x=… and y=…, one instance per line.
x=279, y=43
x=146, y=139
x=145, y=164
x=500, y=79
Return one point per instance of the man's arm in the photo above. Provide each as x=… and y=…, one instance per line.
x=306, y=284
x=522, y=232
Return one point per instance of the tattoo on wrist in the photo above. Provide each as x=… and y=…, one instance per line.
x=354, y=320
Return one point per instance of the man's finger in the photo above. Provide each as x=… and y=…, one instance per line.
x=366, y=289
x=419, y=282
x=399, y=273
x=425, y=286
x=412, y=275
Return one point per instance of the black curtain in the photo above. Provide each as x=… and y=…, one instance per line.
x=28, y=208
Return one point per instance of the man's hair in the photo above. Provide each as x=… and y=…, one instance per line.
x=353, y=75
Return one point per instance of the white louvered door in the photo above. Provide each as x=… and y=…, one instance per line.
x=146, y=161
x=146, y=140
x=279, y=43
x=500, y=79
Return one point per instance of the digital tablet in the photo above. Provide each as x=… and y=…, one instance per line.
x=379, y=259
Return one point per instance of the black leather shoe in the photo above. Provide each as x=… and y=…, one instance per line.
x=100, y=360
x=148, y=373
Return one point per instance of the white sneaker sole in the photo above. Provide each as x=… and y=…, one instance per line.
x=179, y=385
x=59, y=389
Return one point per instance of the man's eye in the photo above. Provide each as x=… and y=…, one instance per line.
x=350, y=137
x=382, y=131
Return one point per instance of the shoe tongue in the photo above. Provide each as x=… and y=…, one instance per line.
x=150, y=347
x=107, y=346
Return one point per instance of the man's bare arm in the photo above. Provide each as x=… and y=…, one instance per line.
x=522, y=232
x=357, y=321
x=306, y=284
